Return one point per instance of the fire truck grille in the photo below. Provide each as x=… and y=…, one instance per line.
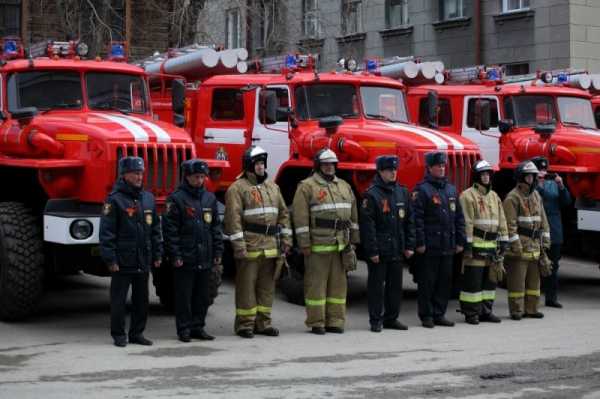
x=162, y=164
x=459, y=168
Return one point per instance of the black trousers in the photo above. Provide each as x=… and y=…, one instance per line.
x=119, y=287
x=477, y=292
x=551, y=282
x=434, y=279
x=384, y=291
x=192, y=298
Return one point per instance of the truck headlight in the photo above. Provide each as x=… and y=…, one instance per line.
x=81, y=229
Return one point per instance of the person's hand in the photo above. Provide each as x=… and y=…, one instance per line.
x=374, y=259
x=559, y=181
x=178, y=262
x=306, y=251
x=113, y=268
x=408, y=253
x=240, y=254
x=218, y=260
x=421, y=249
x=286, y=249
x=459, y=249
x=157, y=263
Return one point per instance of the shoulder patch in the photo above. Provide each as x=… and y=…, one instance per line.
x=106, y=209
x=414, y=195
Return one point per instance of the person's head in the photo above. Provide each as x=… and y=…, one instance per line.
x=131, y=169
x=195, y=172
x=325, y=162
x=436, y=164
x=387, y=167
x=255, y=160
x=482, y=173
x=542, y=164
x=526, y=173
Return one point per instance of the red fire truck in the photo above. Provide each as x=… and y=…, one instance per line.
x=512, y=122
x=294, y=110
x=64, y=124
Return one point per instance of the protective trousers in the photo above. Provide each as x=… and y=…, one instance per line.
x=325, y=289
x=523, y=284
x=192, y=298
x=119, y=287
x=434, y=279
x=254, y=286
x=384, y=294
x=478, y=293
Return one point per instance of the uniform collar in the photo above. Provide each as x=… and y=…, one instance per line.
x=483, y=190
x=194, y=192
x=317, y=176
x=123, y=187
x=378, y=181
x=435, y=181
x=251, y=177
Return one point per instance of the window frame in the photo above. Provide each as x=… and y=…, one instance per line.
x=310, y=15
x=352, y=16
x=442, y=102
x=506, y=3
x=232, y=42
x=13, y=4
x=403, y=16
x=462, y=8
x=241, y=117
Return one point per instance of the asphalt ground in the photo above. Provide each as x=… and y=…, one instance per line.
x=66, y=351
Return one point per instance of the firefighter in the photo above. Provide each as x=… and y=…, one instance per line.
x=529, y=234
x=440, y=233
x=257, y=223
x=194, y=245
x=487, y=240
x=326, y=226
x=130, y=242
x=387, y=233
x=555, y=196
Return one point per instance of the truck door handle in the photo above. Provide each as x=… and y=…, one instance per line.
x=255, y=139
x=209, y=137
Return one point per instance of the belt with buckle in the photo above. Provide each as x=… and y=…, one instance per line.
x=268, y=230
x=335, y=224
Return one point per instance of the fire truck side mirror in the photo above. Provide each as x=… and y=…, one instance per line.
x=432, y=109
x=178, y=96
x=545, y=129
x=268, y=107
x=482, y=114
x=505, y=125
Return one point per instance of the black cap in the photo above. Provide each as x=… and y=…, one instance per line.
x=131, y=164
x=540, y=162
x=384, y=162
x=435, y=158
x=193, y=166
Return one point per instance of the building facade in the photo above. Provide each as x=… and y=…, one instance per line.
x=524, y=35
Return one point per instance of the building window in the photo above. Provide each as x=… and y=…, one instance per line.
x=311, y=18
x=233, y=28
x=516, y=69
x=452, y=9
x=10, y=18
x=351, y=17
x=514, y=5
x=396, y=13
x=266, y=13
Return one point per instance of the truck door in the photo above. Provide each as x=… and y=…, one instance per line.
x=226, y=133
x=273, y=137
x=488, y=140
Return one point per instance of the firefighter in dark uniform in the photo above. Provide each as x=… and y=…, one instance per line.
x=130, y=243
x=387, y=232
x=194, y=245
x=440, y=233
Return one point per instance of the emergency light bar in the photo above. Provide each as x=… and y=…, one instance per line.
x=11, y=48
x=117, y=51
x=55, y=49
x=476, y=73
x=571, y=78
x=288, y=63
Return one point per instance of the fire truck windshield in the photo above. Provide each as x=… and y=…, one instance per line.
x=383, y=103
x=576, y=111
x=530, y=110
x=114, y=91
x=44, y=90
x=321, y=100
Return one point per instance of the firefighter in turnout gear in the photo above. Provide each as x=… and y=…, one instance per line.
x=387, y=233
x=194, y=244
x=529, y=234
x=487, y=240
x=326, y=227
x=256, y=221
x=129, y=244
x=440, y=233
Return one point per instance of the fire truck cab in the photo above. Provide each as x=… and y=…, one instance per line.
x=517, y=121
x=64, y=124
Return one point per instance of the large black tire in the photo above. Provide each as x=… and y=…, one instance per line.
x=21, y=261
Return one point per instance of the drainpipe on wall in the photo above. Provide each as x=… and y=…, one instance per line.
x=477, y=18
